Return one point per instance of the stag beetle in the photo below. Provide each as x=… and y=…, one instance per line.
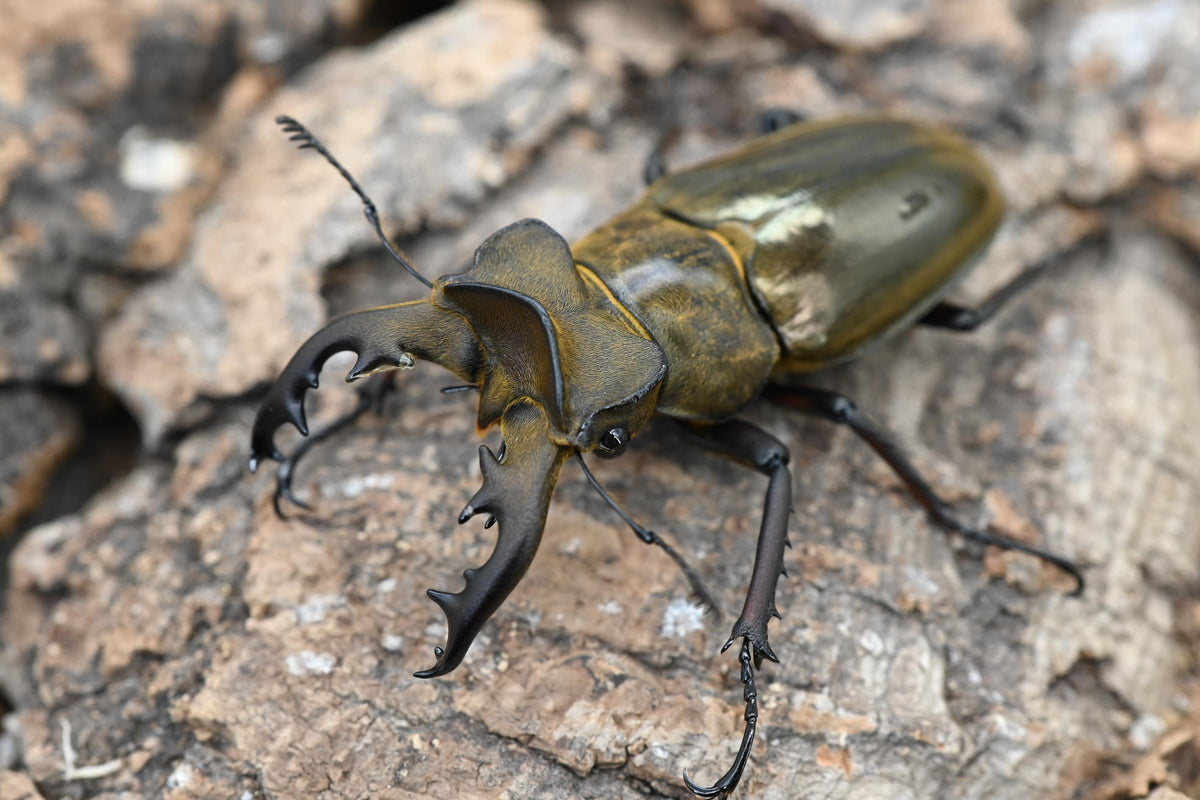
x=795, y=252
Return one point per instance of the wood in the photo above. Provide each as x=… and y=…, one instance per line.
x=215, y=650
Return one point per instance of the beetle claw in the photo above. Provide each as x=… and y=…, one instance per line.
x=729, y=781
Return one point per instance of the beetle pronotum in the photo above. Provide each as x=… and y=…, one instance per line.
x=790, y=254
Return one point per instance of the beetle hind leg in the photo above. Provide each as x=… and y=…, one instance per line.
x=842, y=410
x=964, y=319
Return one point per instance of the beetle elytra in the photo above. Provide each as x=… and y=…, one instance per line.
x=792, y=253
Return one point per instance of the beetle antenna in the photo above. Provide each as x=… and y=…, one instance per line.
x=307, y=141
x=650, y=537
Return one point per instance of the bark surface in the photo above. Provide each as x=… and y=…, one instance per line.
x=167, y=250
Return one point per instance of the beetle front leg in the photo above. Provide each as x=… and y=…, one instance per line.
x=753, y=447
x=838, y=408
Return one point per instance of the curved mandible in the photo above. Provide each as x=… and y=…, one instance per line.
x=516, y=492
x=389, y=337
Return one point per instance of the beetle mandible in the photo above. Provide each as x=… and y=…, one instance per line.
x=795, y=252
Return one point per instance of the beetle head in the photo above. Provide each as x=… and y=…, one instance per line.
x=548, y=335
x=562, y=369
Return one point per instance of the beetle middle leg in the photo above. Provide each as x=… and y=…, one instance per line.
x=752, y=447
x=838, y=408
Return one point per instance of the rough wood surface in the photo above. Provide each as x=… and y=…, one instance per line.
x=176, y=639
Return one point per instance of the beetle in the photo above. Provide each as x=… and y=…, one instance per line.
x=799, y=250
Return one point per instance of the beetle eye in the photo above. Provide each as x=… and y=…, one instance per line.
x=613, y=442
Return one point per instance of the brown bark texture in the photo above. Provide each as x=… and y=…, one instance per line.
x=164, y=250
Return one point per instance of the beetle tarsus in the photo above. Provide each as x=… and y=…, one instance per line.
x=650, y=537
x=283, y=485
x=729, y=781
x=944, y=517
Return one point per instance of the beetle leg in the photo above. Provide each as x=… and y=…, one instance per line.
x=650, y=537
x=777, y=118
x=753, y=447
x=964, y=319
x=656, y=161
x=770, y=120
x=370, y=397
x=729, y=781
x=842, y=410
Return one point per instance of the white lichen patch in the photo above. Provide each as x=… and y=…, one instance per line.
x=681, y=617
x=315, y=609
x=871, y=642
x=1129, y=35
x=1146, y=730
x=355, y=485
x=152, y=164
x=610, y=607
x=306, y=662
x=180, y=777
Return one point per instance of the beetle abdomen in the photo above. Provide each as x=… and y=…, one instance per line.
x=849, y=230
